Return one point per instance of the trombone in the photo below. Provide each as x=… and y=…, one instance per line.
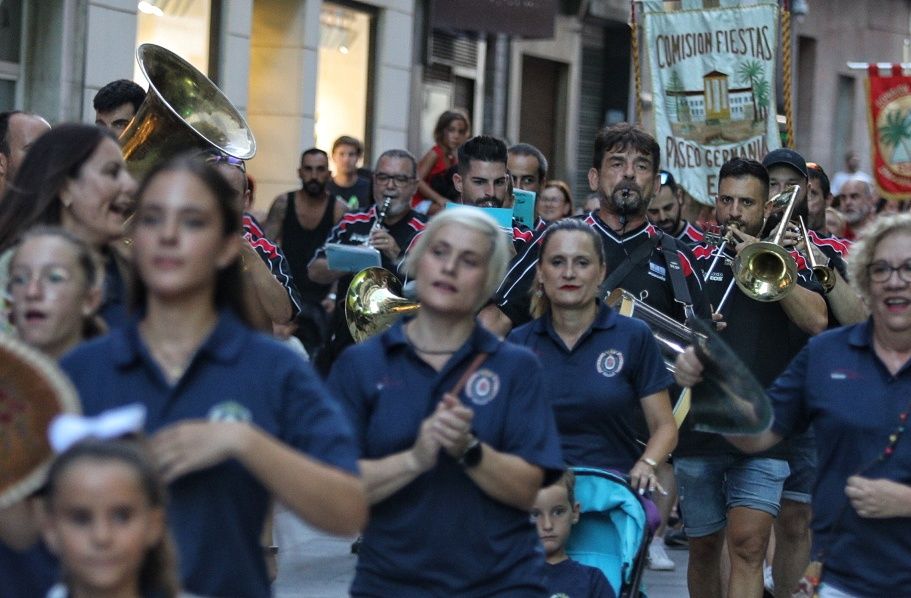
x=765, y=271
x=825, y=275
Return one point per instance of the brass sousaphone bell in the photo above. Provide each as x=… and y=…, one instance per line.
x=373, y=303
x=183, y=111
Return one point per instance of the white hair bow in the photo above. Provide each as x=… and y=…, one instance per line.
x=68, y=429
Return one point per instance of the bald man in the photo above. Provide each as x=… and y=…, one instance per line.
x=18, y=132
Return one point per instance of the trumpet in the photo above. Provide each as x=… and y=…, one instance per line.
x=765, y=271
x=824, y=274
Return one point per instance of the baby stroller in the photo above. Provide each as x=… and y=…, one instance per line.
x=613, y=532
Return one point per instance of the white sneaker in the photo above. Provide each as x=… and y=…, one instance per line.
x=657, y=557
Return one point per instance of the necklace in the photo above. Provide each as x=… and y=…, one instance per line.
x=414, y=346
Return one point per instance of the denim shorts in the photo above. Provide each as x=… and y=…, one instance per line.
x=710, y=486
x=802, y=461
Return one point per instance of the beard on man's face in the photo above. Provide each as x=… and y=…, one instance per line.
x=314, y=188
x=626, y=198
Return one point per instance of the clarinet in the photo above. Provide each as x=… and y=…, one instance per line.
x=381, y=216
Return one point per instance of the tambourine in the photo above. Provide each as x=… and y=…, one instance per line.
x=33, y=391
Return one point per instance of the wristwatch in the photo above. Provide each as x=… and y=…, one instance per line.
x=472, y=454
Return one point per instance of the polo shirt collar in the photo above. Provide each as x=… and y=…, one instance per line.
x=605, y=318
x=224, y=343
x=480, y=340
x=861, y=334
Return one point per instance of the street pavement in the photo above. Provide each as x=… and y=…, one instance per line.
x=314, y=565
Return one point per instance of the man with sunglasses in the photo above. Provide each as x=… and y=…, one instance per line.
x=666, y=211
x=388, y=230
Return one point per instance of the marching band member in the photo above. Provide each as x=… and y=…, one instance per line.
x=455, y=435
x=851, y=385
x=603, y=368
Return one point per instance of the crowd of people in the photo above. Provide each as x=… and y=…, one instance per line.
x=448, y=440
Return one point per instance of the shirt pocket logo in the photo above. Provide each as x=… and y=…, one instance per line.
x=229, y=411
x=609, y=363
x=482, y=387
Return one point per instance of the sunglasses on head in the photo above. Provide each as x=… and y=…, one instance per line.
x=226, y=159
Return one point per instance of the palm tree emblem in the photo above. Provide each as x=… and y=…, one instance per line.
x=895, y=133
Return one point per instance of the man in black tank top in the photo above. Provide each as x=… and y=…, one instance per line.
x=300, y=221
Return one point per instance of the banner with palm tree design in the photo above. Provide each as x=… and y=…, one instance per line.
x=890, y=131
x=713, y=89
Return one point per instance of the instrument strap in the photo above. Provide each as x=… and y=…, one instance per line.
x=635, y=258
x=675, y=271
x=472, y=367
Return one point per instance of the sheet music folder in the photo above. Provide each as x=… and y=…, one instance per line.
x=351, y=258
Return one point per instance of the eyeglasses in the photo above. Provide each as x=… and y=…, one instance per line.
x=882, y=271
x=226, y=159
x=400, y=179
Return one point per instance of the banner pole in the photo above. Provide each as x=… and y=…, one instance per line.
x=637, y=74
x=786, y=68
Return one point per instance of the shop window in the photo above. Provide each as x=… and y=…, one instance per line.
x=10, y=51
x=343, y=79
x=181, y=26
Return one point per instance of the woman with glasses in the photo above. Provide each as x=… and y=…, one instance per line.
x=554, y=203
x=853, y=386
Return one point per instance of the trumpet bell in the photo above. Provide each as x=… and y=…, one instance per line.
x=765, y=271
x=183, y=110
x=373, y=303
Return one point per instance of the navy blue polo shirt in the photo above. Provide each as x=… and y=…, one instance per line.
x=572, y=579
x=838, y=385
x=441, y=534
x=216, y=514
x=595, y=388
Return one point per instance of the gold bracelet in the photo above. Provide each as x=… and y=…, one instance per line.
x=648, y=461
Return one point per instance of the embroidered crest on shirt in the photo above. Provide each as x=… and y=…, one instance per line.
x=609, y=363
x=482, y=387
x=229, y=411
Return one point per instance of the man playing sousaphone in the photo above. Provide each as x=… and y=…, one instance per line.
x=725, y=493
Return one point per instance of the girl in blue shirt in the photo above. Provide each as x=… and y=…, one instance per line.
x=234, y=417
x=450, y=476
x=602, y=367
x=55, y=288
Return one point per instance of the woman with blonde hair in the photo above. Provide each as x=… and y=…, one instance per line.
x=455, y=435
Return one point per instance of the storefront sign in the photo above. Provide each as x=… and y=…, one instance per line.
x=525, y=18
x=713, y=84
x=890, y=132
